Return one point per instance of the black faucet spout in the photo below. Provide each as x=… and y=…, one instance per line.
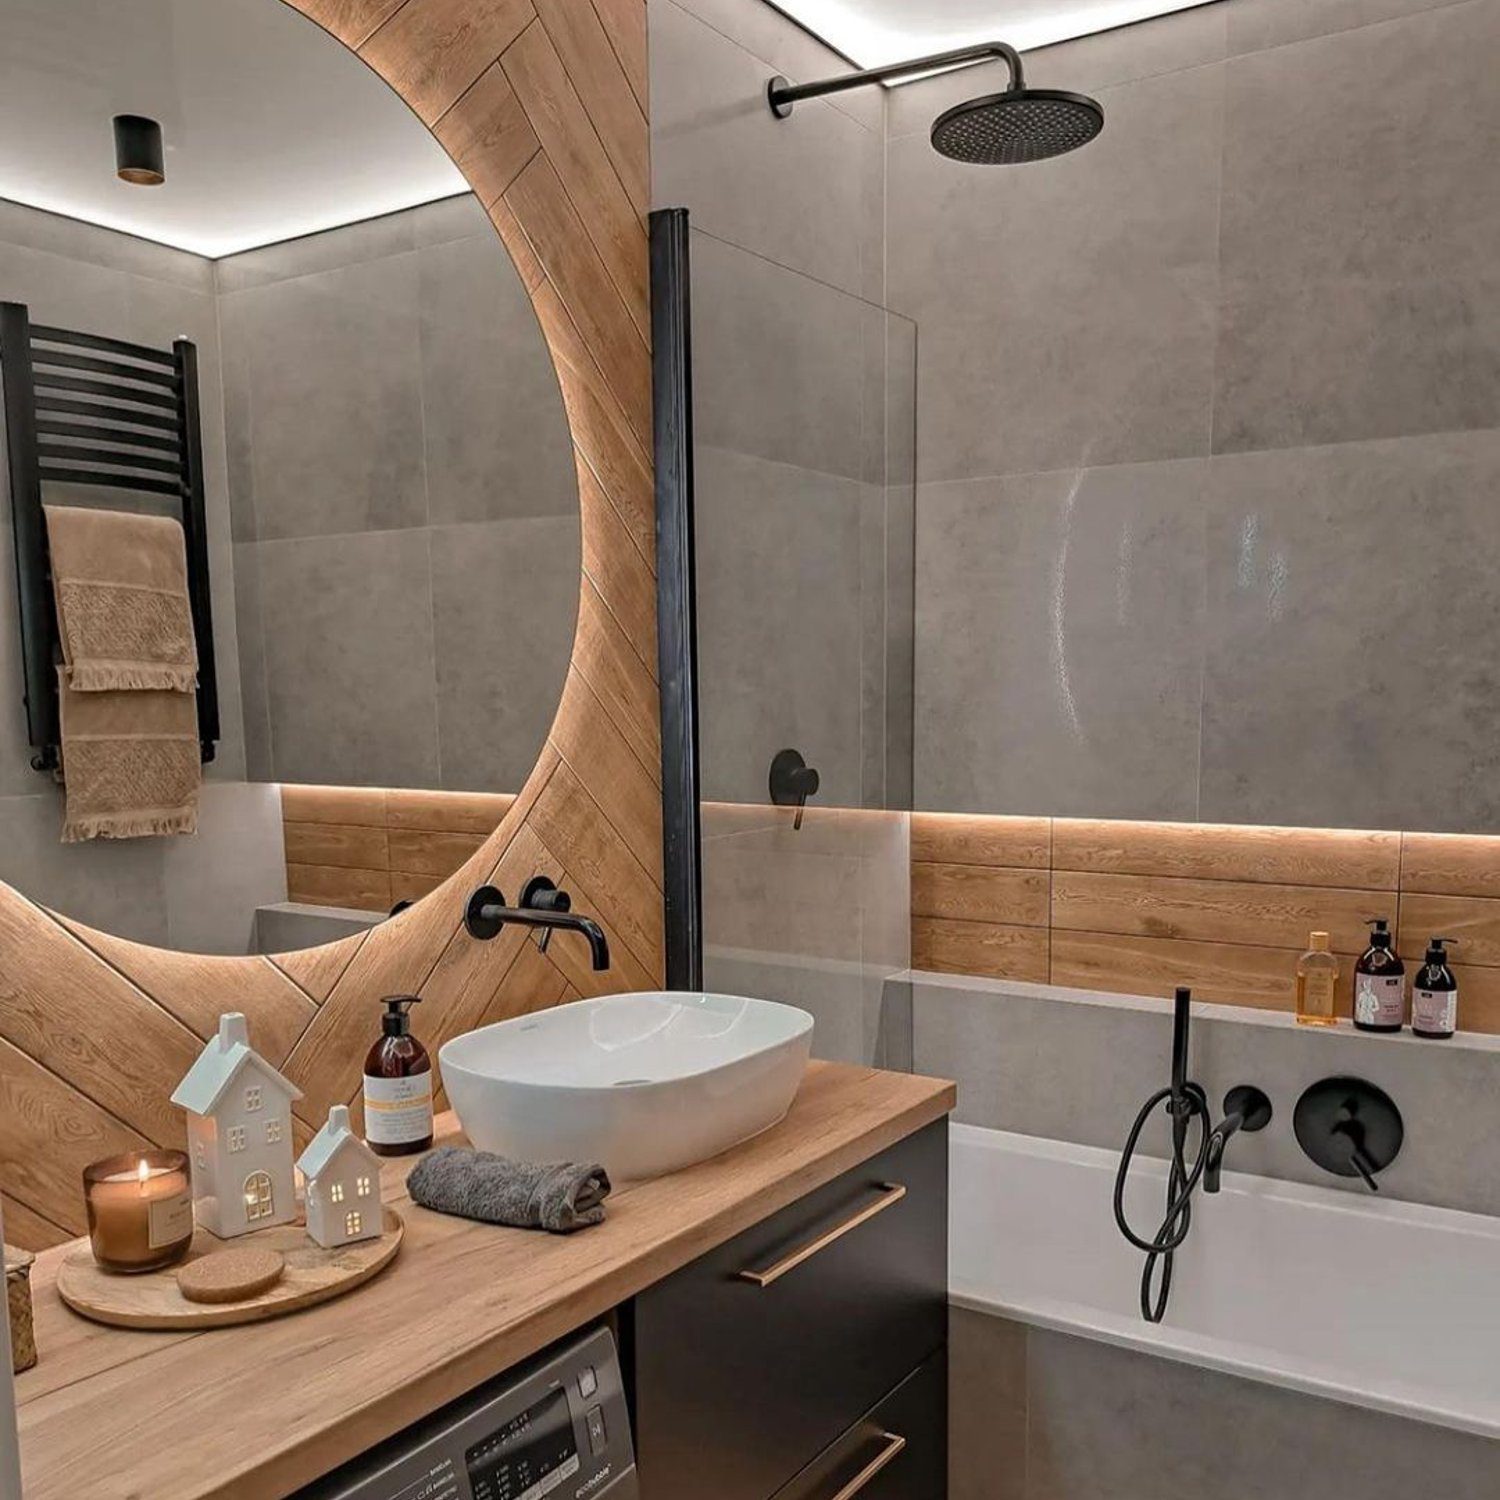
x=543, y=907
x=1245, y=1108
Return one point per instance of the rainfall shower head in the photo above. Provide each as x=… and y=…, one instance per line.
x=1019, y=125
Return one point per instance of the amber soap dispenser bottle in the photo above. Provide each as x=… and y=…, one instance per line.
x=1317, y=978
x=398, y=1085
x=1379, y=983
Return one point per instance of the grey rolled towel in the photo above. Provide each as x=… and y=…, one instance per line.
x=561, y=1197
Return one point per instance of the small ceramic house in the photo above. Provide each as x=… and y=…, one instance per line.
x=343, y=1184
x=239, y=1111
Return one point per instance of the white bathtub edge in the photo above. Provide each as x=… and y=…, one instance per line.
x=1098, y=1325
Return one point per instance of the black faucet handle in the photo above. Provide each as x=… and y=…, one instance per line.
x=792, y=782
x=542, y=894
x=482, y=914
x=1349, y=1127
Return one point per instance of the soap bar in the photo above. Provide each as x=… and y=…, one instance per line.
x=230, y=1275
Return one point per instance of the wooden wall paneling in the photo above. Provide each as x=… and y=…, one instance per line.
x=334, y=885
x=488, y=135
x=954, y=838
x=90, y=1027
x=1227, y=911
x=447, y=812
x=316, y=970
x=594, y=66
x=569, y=210
x=980, y=893
x=608, y=875
x=1206, y=851
x=432, y=51
x=348, y=846
x=1229, y=973
x=624, y=580
x=28, y=1229
x=1450, y=864
x=1472, y=921
x=197, y=988
x=417, y=851
x=614, y=672
x=987, y=948
x=577, y=158
x=334, y=806
x=51, y=1133
x=554, y=230
x=625, y=24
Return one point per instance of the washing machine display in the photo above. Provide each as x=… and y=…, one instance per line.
x=529, y=1457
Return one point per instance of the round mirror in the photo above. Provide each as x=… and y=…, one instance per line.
x=290, y=486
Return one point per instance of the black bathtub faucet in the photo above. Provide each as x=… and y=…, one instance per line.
x=1245, y=1108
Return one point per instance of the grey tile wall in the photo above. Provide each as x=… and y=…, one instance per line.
x=1275, y=259
x=1039, y=1415
x=1074, y=1065
x=405, y=505
x=1059, y=628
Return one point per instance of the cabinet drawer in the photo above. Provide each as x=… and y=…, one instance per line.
x=899, y=1451
x=759, y=1355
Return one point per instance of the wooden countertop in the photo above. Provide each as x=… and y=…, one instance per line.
x=255, y=1412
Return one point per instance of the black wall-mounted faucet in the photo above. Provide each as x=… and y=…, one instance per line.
x=543, y=906
x=792, y=782
x=1245, y=1108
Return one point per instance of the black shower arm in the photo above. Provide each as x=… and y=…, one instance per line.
x=783, y=95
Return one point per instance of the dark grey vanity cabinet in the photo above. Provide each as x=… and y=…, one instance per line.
x=793, y=1358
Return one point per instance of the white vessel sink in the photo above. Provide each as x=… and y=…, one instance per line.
x=643, y=1084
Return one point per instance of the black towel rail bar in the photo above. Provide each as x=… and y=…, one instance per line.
x=146, y=406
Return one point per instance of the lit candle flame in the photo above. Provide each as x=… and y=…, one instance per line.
x=142, y=1172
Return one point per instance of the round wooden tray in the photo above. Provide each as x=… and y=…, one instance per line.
x=152, y=1300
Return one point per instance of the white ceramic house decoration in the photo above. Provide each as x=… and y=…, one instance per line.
x=343, y=1184
x=239, y=1111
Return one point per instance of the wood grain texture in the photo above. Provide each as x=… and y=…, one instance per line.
x=1208, y=851
x=987, y=948
x=1138, y=908
x=980, y=893
x=1227, y=911
x=310, y=1275
x=956, y=839
x=1450, y=864
x=1230, y=973
x=461, y=1303
x=539, y=122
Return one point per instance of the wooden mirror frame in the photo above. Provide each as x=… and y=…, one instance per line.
x=543, y=106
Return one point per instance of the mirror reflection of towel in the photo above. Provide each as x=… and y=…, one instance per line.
x=120, y=582
x=130, y=762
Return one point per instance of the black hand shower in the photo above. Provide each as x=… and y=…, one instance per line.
x=1247, y=1109
x=1018, y=125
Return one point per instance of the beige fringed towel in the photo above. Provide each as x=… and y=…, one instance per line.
x=131, y=764
x=120, y=582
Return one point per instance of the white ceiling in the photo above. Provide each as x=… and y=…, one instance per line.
x=876, y=32
x=272, y=128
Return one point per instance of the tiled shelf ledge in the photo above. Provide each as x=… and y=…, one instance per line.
x=1075, y=1065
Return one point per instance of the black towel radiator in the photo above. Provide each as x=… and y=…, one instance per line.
x=81, y=409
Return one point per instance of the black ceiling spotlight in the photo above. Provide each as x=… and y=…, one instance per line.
x=1019, y=125
x=138, y=151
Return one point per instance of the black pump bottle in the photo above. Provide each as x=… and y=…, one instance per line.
x=1379, y=983
x=1434, y=994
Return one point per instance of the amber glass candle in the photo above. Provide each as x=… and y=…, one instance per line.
x=140, y=1208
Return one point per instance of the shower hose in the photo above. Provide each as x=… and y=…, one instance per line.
x=1185, y=1103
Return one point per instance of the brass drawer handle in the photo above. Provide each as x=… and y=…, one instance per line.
x=891, y=1193
x=894, y=1444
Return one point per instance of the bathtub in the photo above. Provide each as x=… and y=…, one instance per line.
x=1387, y=1305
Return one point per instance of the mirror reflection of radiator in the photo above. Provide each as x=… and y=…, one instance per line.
x=82, y=409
